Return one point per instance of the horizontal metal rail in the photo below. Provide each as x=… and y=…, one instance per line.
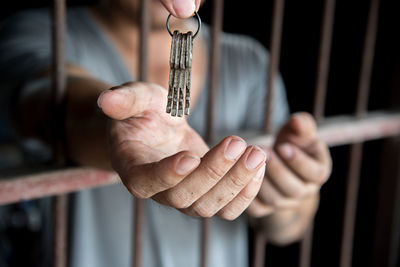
x=335, y=131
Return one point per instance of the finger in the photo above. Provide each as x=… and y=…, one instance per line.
x=181, y=8
x=236, y=207
x=143, y=181
x=299, y=130
x=285, y=180
x=131, y=99
x=314, y=170
x=214, y=165
x=258, y=209
x=247, y=167
x=272, y=197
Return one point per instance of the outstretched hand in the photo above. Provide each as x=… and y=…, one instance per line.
x=161, y=157
x=299, y=165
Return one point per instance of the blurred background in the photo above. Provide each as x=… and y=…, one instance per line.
x=23, y=225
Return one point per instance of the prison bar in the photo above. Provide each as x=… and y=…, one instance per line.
x=273, y=69
x=214, y=65
x=335, y=131
x=321, y=84
x=139, y=204
x=356, y=149
x=324, y=52
x=60, y=203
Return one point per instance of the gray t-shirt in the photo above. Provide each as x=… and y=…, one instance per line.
x=102, y=217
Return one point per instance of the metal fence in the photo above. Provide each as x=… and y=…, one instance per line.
x=352, y=129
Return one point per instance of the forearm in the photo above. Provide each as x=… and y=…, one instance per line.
x=84, y=124
x=286, y=226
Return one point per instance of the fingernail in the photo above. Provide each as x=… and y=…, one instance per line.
x=101, y=94
x=234, y=149
x=286, y=151
x=255, y=157
x=260, y=174
x=186, y=164
x=184, y=8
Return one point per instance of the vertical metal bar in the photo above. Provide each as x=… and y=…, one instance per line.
x=58, y=46
x=205, y=239
x=306, y=248
x=367, y=58
x=324, y=59
x=351, y=205
x=356, y=149
x=139, y=210
x=214, y=63
x=275, y=50
x=258, y=259
x=58, y=92
x=60, y=207
x=319, y=103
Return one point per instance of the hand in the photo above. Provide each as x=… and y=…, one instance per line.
x=158, y=156
x=298, y=166
x=183, y=8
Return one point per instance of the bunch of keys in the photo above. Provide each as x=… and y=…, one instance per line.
x=180, y=71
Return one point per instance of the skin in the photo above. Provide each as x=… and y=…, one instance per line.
x=161, y=157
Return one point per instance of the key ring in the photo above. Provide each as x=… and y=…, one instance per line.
x=198, y=25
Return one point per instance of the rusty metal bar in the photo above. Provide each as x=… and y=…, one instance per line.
x=351, y=204
x=58, y=48
x=214, y=65
x=367, y=58
x=52, y=183
x=335, y=131
x=139, y=204
x=275, y=50
x=324, y=59
x=356, y=149
x=344, y=130
x=321, y=83
x=258, y=248
x=205, y=239
x=306, y=247
x=58, y=92
x=60, y=207
x=273, y=67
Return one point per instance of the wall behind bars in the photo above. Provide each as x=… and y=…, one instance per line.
x=298, y=63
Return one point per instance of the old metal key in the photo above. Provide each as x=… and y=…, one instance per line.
x=178, y=101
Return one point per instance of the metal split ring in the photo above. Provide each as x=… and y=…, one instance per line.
x=198, y=24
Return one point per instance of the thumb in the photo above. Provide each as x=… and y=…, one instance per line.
x=300, y=129
x=131, y=99
x=181, y=8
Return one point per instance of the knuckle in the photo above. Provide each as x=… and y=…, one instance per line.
x=237, y=182
x=322, y=175
x=138, y=192
x=297, y=192
x=176, y=200
x=247, y=196
x=228, y=214
x=203, y=211
x=214, y=173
